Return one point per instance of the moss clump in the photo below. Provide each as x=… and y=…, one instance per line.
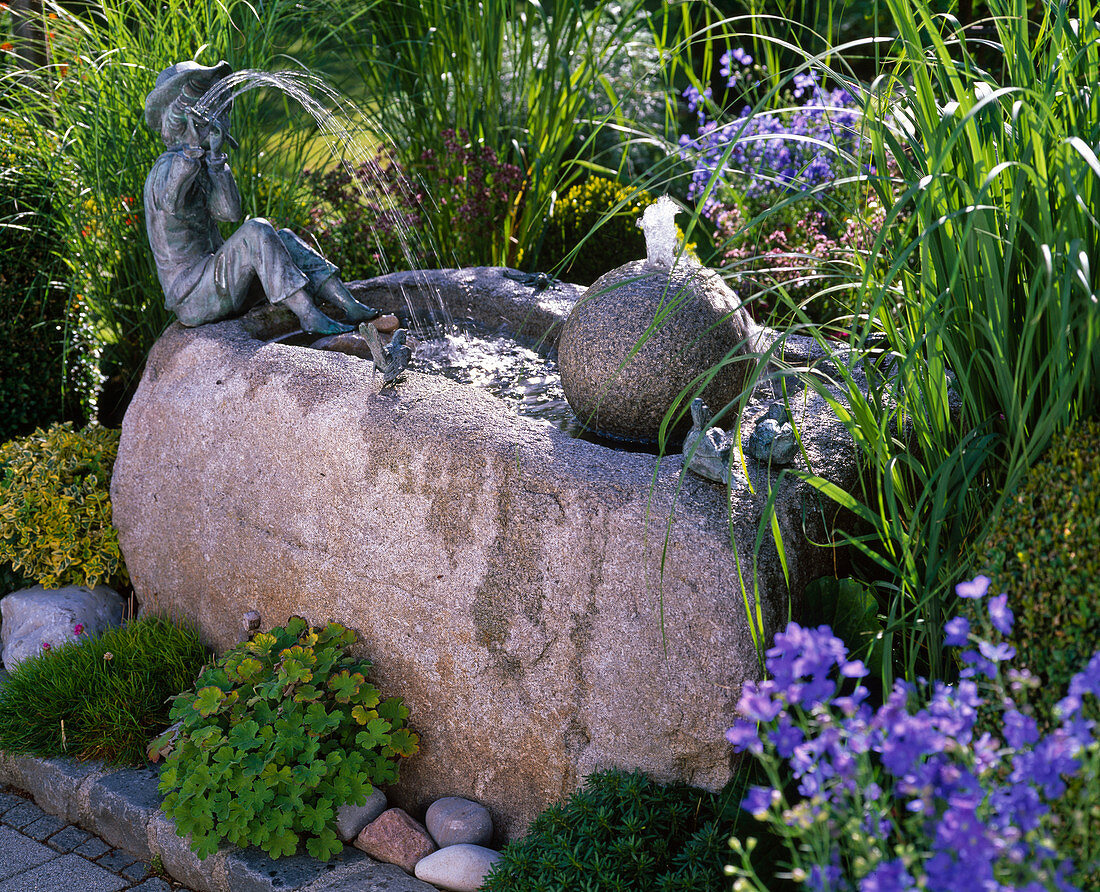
x=55, y=507
x=99, y=697
x=1045, y=552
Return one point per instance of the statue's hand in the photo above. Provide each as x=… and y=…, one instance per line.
x=215, y=138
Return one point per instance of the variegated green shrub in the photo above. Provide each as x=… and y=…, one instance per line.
x=55, y=507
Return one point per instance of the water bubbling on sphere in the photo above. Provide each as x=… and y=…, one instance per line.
x=658, y=222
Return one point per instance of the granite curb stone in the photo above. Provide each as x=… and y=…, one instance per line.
x=122, y=806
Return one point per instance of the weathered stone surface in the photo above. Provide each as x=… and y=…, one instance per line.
x=513, y=584
x=368, y=876
x=453, y=820
x=182, y=864
x=626, y=396
x=396, y=838
x=35, y=616
x=253, y=870
x=55, y=784
x=350, y=819
x=458, y=868
x=121, y=806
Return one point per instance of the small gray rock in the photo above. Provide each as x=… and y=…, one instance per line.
x=457, y=868
x=773, y=443
x=35, y=616
x=350, y=819
x=454, y=820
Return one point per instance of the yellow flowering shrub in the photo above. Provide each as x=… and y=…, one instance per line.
x=55, y=506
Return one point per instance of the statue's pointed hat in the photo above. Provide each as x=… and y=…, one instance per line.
x=171, y=83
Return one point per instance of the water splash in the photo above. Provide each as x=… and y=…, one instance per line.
x=658, y=222
x=336, y=117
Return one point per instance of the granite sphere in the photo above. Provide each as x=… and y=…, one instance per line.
x=696, y=322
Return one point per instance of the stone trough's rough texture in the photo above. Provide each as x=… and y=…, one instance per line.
x=505, y=579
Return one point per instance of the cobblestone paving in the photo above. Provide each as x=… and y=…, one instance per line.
x=41, y=853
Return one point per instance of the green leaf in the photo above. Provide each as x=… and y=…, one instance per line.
x=314, y=818
x=393, y=710
x=404, y=743
x=325, y=845
x=245, y=736
x=368, y=696
x=245, y=669
x=282, y=843
x=374, y=735
x=320, y=720
x=345, y=685
x=208, y=701
x=306, y=694
x=309, y=775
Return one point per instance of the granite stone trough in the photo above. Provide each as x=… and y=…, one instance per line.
x=547, y=606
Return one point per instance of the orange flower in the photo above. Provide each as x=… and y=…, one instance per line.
x=6, y=47
x=64, y=69
x=53, y=15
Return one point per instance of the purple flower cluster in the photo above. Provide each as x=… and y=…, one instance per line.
x=910, y=795
x=774, y=152
x=475, y=191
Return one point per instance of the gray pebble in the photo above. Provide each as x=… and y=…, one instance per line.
x=350, y=819
x=453, y=820
x=457, y=868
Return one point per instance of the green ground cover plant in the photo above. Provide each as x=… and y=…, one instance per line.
x=99, y=697
x=55, y=510
x=274, y=737
x=1045, y=549
x=624, y=831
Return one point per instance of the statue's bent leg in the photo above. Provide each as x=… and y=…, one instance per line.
x=255, y=251
x=324, y=279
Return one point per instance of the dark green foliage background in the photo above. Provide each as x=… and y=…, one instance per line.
x=37, y=328
x=1045, y=553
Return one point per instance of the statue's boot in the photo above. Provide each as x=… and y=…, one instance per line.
x=335, y=292
x=312, y=319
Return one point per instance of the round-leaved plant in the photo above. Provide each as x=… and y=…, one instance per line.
x=276, y=736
